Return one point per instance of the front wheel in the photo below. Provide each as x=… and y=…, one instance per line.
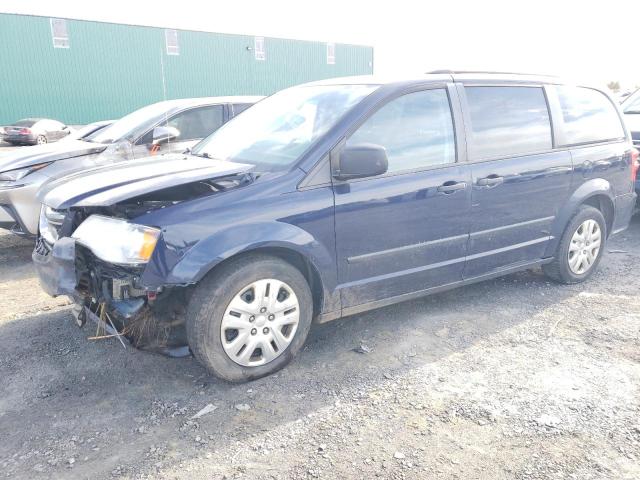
x=581, y=247
x=249, y=318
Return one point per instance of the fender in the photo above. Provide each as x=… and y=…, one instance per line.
x=201, y=258
x=590, y=188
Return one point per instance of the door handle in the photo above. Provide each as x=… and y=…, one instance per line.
x=490, y=181
x=451, y=187
x=601, y=165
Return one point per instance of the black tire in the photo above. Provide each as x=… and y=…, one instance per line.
x=43, y=137
x=559, y=269
x=210, y=299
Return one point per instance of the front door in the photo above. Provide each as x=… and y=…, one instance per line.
x=519, y=181
x=405, y=231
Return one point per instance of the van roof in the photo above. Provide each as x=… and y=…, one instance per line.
x=439, y=76
x=189, y=102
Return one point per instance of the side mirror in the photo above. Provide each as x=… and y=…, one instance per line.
x=164, y=134
x=361, y=161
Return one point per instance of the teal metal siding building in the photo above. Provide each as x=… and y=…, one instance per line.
x=80, y=71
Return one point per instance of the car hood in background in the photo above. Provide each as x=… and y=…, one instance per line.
x=27, y=156
x=111, y=184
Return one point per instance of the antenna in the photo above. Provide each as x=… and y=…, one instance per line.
x=164, y=88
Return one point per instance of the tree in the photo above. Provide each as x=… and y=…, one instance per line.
x=614, y=86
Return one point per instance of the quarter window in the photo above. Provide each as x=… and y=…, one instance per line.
x=59, y=33
x=588, y=116
x=238, y=108
x=258, y=46
x=171, y=41
x=416, y=130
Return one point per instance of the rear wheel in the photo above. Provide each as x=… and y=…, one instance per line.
x=41, y=140
x=249, y=318
x=580, y=248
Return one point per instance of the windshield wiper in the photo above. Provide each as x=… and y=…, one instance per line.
x=202, y=155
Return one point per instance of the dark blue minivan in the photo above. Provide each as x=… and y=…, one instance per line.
x=332, y=198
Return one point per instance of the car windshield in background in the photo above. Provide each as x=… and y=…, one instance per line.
x=632, y=104
x=275, y=132
x=130, y=126
x=85, y=132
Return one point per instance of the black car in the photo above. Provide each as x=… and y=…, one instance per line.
x=35, y=131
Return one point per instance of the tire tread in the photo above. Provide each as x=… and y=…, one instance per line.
x=202, y=304
x=557, y=270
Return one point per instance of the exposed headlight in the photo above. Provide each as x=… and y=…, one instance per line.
x=20, y=173
x=117, y=241
x=50, y=221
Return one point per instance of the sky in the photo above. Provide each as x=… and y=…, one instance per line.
x=590, y=41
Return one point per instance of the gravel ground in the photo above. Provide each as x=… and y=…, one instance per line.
x=516, y=378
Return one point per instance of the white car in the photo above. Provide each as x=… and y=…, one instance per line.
x=165, y=127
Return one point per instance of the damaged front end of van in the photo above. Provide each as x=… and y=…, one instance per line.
x=92, y=249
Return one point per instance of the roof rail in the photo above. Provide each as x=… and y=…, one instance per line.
x=454, y=72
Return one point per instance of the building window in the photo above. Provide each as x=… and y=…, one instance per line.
x=331, y=53
x=59, y=33
x=171, y=39
x=258, y=47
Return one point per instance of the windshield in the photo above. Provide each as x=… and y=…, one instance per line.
x=131, y=126
x=275, y=132
x=632, y=104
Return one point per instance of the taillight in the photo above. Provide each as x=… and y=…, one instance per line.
x=24, y=131
x=634, y=163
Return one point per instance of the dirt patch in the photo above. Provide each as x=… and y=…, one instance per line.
x=516, y=378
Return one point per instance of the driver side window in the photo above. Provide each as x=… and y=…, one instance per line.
x=194, y=124
x=416, y=130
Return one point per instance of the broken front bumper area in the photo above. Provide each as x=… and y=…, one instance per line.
x=111, y=296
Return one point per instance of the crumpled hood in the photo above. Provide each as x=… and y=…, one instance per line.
x=27, y=156
x=108, y=185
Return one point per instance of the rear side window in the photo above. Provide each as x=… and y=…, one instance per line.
x=415, y=129
x=25, y=123
x=508, y=121
x=588, y=115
